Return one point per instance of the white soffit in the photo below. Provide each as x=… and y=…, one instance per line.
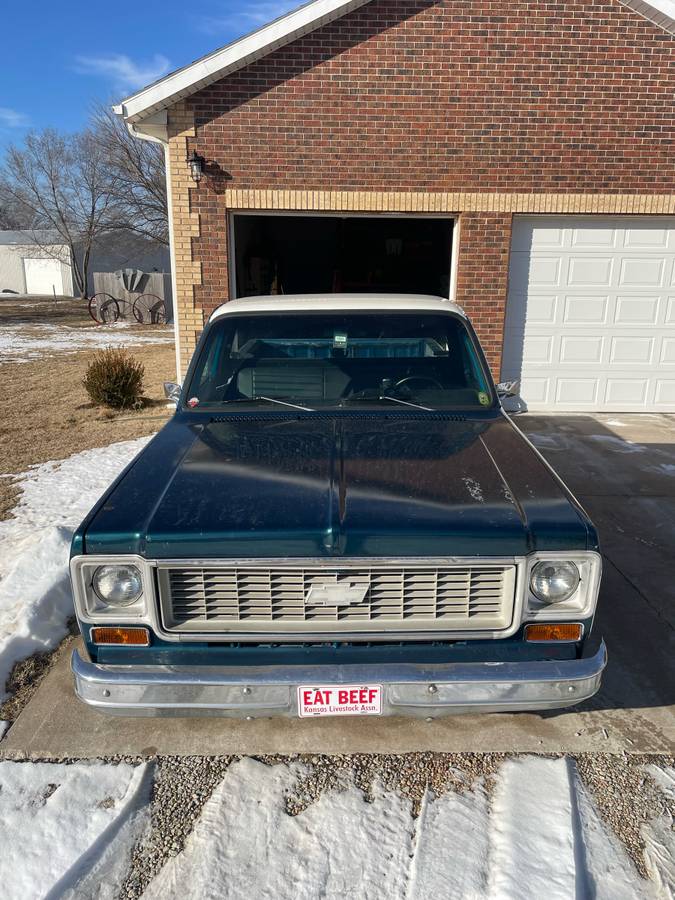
x=281, y=31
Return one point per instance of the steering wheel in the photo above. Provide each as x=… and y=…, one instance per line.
x=425, y=379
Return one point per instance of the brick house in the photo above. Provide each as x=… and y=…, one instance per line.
x=516, y=157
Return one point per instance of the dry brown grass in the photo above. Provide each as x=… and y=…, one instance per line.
x=45, y=413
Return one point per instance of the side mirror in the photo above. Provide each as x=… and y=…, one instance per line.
x=508, y=389
x=172, y=391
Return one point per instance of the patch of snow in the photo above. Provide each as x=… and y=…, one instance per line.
x=474, y=489
x=68, y=830
x=35, y=595
x=621, y=445
x=3, y=728
x=659, y=838
x=532, y=821
x=663, y=469
x=17, y=344
x=546, y=441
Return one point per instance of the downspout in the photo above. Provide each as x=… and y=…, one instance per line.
x=164, y=141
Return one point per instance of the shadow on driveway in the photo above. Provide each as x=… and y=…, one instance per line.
x=622, y=470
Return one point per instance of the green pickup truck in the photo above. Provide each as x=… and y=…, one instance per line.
x=339, y=519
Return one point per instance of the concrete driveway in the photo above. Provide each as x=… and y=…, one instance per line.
x=622, y=469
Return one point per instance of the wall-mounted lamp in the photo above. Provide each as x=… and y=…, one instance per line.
x=196, y=164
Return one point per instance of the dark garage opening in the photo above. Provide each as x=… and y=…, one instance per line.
x=280, y=254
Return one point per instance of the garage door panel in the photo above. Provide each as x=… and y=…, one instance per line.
x=631, y=351
x=537, y=389
x=641, y=273
x=542, y=309
x=577, y=391
x=622, y=391
x=665, y=392
x=656, y=238
x=604, y=336
x=543, y=271
x=590, y=270
x=636, y=310
x=594, y=237
x=539, y=349
x=668, y=351
x=584, y=309
x=579, y=349
x=538, y=236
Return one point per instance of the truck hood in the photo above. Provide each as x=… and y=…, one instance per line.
x=363, y=484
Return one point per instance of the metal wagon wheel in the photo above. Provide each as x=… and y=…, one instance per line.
x=149, y=309
x=104, y=308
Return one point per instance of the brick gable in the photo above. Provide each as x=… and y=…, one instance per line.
x=458, y=95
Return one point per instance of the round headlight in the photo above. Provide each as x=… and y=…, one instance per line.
x=117, y=585
x=552, y=582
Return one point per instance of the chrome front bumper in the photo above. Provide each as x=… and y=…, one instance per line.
x=408, y=689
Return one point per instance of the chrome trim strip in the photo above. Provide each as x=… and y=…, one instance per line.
x=409, y=689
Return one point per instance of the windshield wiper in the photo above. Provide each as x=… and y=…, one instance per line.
x=260, y=397
x=356, y=399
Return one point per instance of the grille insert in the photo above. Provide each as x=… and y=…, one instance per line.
x=319, y=600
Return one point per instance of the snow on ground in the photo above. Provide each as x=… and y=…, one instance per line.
x=660, y=838
x=19, y=343
x=68, y=830
x=35, y=596
x=541, y=836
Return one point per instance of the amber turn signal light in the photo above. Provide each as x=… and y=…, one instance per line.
x=566, y=631
x=138, y=636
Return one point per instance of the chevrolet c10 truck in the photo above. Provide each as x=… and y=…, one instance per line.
x=339, y=519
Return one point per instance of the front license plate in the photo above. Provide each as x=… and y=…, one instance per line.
x=339, y=700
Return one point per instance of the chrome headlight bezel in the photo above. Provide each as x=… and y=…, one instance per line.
x=581, y=604
x=92, y=608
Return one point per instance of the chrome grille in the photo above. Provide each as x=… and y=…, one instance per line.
x=317, y=599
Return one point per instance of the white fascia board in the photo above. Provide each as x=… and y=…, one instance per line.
x=232, y=57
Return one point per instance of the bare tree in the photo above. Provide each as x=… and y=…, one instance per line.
x=64, y=182
x=13, y=216
x=137, y=177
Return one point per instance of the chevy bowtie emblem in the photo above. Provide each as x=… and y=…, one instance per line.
x=336, y=593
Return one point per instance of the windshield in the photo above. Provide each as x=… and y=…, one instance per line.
x=334, y=359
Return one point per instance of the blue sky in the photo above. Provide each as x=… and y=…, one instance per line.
x=64, y=56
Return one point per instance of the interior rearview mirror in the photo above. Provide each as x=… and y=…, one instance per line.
x=508, y=389
x=172, y=391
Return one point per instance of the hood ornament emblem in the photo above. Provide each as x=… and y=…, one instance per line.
x=336, y=593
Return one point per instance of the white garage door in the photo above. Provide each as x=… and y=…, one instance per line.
x=43, y=276
x=590, y=321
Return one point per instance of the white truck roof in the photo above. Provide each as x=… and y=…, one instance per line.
x=338, y=303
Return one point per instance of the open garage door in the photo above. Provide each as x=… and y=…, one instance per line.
x=297, y=254
x=590, y=322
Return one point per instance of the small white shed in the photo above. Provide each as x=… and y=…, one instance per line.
x=34, y=263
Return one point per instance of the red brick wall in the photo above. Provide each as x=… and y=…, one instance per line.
x=456, y=95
